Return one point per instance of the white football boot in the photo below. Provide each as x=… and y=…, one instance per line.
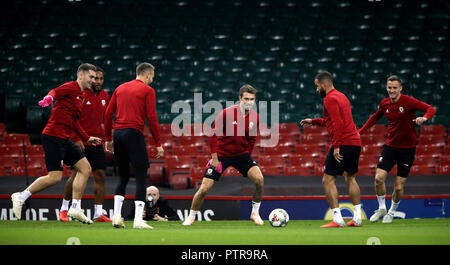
x=141, y=224
x=79, y=215
x=17, y=205
x=378, y=214
x=117, y=221
x=189, y=221
x=387, y=219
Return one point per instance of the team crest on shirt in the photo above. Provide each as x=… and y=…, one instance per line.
x=401, y=109
x=103, y=102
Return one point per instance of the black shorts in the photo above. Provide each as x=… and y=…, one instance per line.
x=404, y=157
x=58, y=151
x=349, y=161
x=241, y=163
x=130, y=147
x=96, y=156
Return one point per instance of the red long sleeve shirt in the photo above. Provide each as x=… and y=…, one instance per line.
x=337, y=117
x=132, y=102
x=234, y=134
x=68, y=100
x=92, y=112
x=401, y=127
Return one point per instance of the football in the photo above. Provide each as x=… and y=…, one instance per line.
x=278, y=218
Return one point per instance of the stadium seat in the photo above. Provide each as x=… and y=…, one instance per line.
x=372, y=139
x=186, y=150
x=366, y=170
x=432, y=139
x=378, y=129
x=371, y=150
x=180, y=181
x=278, y=150
x=368, y=160
x=422, y=170
x=17, y=139
x=196, y=174
x=197, y=141
x=436, y=151
x=275, y=160
x=156, y=173
x=315, y=130
x=33, y=150
x=316, y=139
x=305, y=160
x=444, y=160
x=289, y=129
x=309, y=149
x=433, y=130
x=443, y=170
x=271, y=170
x=299, y=171
x=447, y=149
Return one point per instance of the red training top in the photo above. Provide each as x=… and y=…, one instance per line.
x=337, y=117
x=400, y=115
x=68, y=100
x=132, y=102
x=94, y=107
x=234, y=134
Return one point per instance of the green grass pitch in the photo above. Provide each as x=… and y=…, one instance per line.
x=297, y=232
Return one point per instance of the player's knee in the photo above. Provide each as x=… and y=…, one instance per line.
x=327, y=180
x=54, y=177
x=379, y=180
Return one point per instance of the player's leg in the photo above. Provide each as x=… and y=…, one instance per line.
x=255, y=175
x=54, y=153
x=355, y=196
x=197, y=201
x=385, y=163
x=83, y=170
x=139, y=160
x=405, y=160
x=123, y=164
x=97, y=158
x=66, y=199
x=332, y=169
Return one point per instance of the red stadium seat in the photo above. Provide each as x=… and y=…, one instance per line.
x=371, y=150
x=421, y=170
x=178, y=164
x=180, y=181
x=284, y=140
x=372, y=139
x=33, y=150
x=436, y=140
x=368, y=160
x=447, y=149
x=319, y=130
x=304, y=161
x=192, y=140
x=443, y=170
x=202, y=160
x=16, y=139
x=444, y=160
x=271, y=170
x=275, y=160
x=366, y=170
x=379, y=129
x=185, y=151
x=289, y=129
x=7, y=162
x=35, y=161
x=197, y=176
x=299, y=171
x=433, y=130
x=316, y=139
x=278, y=150
x=309, y=149
x=166, y=129
x=6, y=171
x=436, y=151
x=156, y=173
x=231, y=171
x=428, y=160
x=194, y=129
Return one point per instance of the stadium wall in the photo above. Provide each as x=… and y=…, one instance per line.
x=46, y=207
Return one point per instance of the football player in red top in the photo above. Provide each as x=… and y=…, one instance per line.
x=343, y=157
x=59, y=148
x=232, y=141
x=96, y=100
x=400, y=146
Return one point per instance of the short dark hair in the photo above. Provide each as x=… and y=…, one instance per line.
x=395, y=78
x=99, y=69
x=143, y=68
x=247, y=88
x=324, y=75
x=85, y=67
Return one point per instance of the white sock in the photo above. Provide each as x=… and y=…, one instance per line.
x=357, y=212
x=337, y=215
x=118, y=202
x=24, y=195
x=98, y=210
x=255, y=207
x=76, y=204
x=193, y=214
x=381, y=202
x=139, y=210
x=394, y=206
x=65, y=205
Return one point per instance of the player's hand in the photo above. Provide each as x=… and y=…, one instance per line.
x=47, y=101
x=214, y=163
x=306, y=122
x=160, y=151
x=420, y=120
x=94, y=140
x=80, y=145
x=109, y=146
x=337, y=155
